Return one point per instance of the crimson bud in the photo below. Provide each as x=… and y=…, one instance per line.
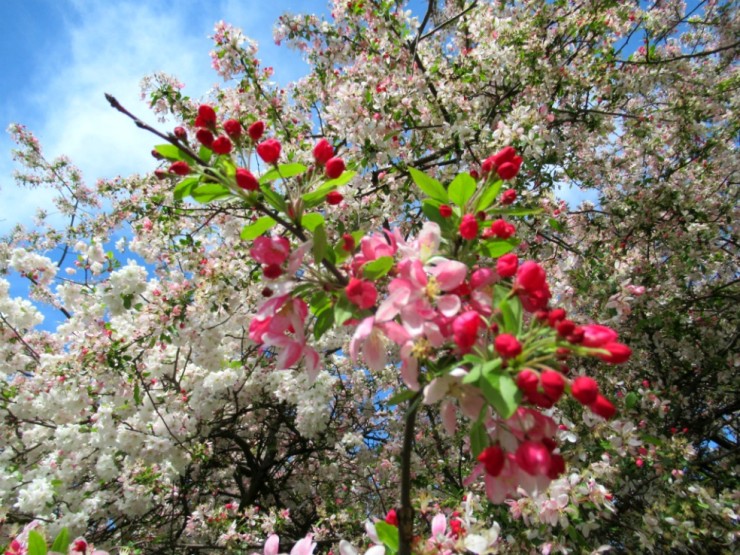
x=206, y=116
x=584, y=390
x=334, y=198
x=334, y=167
x=246, y=180
x=205, y=137
x=445, y=211
x=269, y=150
x=507, y=345
x=603, y=407
x=322, y=152
x=493, y=460
x=233, y=128
x=508, y=197
x=180, y=168
x=221, y=145
x=468, y=227
x=256, y=130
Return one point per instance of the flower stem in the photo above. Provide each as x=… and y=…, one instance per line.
x=406, y=513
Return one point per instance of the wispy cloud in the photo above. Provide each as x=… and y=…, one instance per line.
x=108, y=47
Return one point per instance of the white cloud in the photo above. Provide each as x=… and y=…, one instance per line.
x=113, y=45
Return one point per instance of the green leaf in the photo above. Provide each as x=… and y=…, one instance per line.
x=257, y=228
x=319, y=243
x=516, y=211
x=324, y=321
x=317, y=196
x=430, y=208
x=205, y=153
x=478, y=438
x=343, y=310
x=496, y=248
x=209, y=192
x=400, y=397
x=61, y=542
x=501, y=392
x=312, y=221
x=137, y=394
x=461, y=189
x=556, y=225
x=388, y=535
x=433, y=188
x=511, y=311
x=489, y=195
x=36, y=543
x=275, y=200
x=378, y=267
x=184, y=188
x=631, y=399
x=283, y=171
x=171, y=152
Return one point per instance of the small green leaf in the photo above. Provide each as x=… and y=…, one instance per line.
x=461, y=189
x=343, y=310
x=378, y=267
x=388, y=535
x=36, y=543
x=496, y=248
x=489, y=195
x=556, y=225
x=501, y=392
x=324, y=321
x=209, y=192
x=478, y=438
x=430, y=208
x=631, y=399
x=312, y=221
x=400, y=397
x=283, y=171
x=205, y=153
x=275, y=200
x=511, y=311
x=171, y=152
x=61, y=542
x=433, y=188
x=137, y=394
x=317, y=196
x=185, y=186
x=257, y=228
x=319, y=243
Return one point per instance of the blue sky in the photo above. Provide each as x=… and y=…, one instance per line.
x=60, y=56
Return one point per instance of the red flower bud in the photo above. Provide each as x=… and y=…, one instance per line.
x=361, y=293
x=584, y=390
x=531, y=277
x=246, y=180
x=445, y=211
x=555, y=315
x=469, y=227
x=506, y=154
x=156, y=155
x=334, y=198
x=205, y=137
x=221, y=145
x=269, y=150
x=256, y=130
x=493, y=460
x=618, y=353
x=507, y=345
x=180, y=133
x=180, y=168
x=565, y=328
x=206, y=116
x=506, y=266
x=160, y=174
x=322, y=152
x=348, y=243
x=465, y=329
x=272, y=271
x=603, y=407
x=557, y=466
x=533, y=458
x=334, y=167
x=553, y=384
x=502, y=229
x=508, y=197
x=595, y=335
x=527, y=381
x=233, y=128
x=391, y=518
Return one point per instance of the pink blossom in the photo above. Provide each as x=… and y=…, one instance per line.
x=270, y=250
